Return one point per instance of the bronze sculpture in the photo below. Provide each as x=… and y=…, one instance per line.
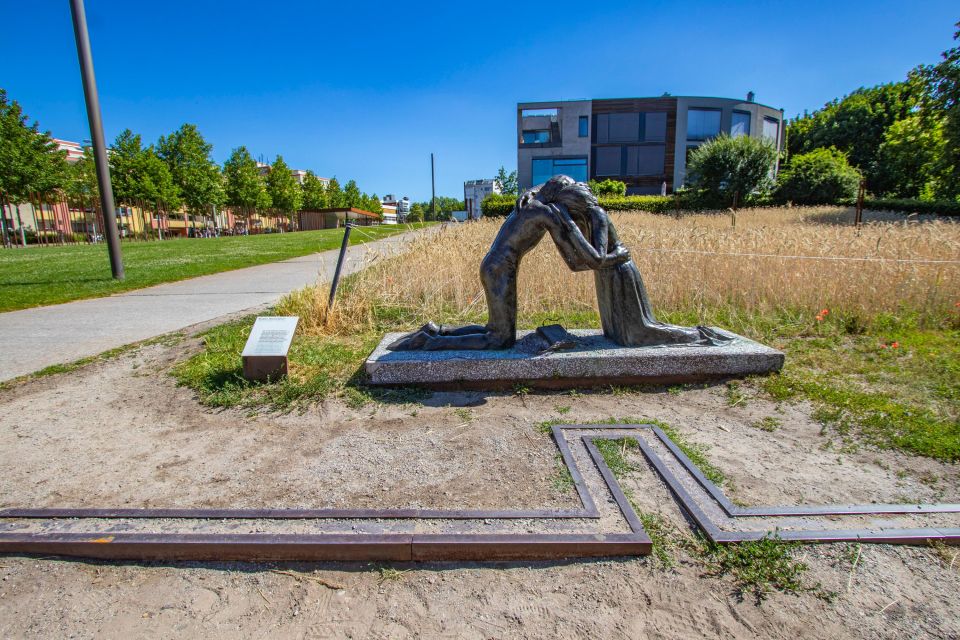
x=570, y=213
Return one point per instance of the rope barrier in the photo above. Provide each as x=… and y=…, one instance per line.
x=795, y=257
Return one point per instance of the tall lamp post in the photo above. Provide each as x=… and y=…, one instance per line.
x=96, y=134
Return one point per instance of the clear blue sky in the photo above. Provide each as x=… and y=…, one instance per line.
x=366, y=90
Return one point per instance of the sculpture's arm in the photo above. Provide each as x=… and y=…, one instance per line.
x=576, y=251
x=599, y=225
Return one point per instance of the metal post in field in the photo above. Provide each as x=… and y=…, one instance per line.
x=433, y=190
x=336, y=272
x=96, y=134
x=861, y=192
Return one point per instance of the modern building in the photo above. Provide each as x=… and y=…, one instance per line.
x=474, y=191
x=389, y=213
x=402, y=206
x=334, y=218
x=644, y=142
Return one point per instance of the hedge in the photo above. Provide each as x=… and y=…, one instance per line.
x=941, y=207
x=500, y=206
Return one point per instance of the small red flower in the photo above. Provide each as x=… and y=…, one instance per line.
x=895, y=345
x=824, y=312
x=819, y=318
x=883, y=346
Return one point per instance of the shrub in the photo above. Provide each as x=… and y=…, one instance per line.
x=822, y=176
x=497, y=205
x=906, y=205
x=725, y=170
x=608, y=188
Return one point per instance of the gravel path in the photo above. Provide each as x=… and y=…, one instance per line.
x=32, y=339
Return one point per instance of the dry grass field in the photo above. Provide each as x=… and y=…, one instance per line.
x=869, y=318
x=704, y=268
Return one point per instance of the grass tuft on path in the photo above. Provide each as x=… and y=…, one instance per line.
x=43, y=275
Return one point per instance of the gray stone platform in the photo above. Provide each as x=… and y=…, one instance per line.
x=594, y=361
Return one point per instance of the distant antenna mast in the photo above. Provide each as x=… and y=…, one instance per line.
x=433, y=190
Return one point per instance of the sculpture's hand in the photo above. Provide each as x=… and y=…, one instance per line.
x=617, y=257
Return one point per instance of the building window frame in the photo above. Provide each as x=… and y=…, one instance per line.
x=749, y=121
x=583, y=126
x=569, y=160
x=536, y=136
x=719, y=113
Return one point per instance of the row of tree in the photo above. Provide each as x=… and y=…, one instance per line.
x=176, y=173
x=904, y=137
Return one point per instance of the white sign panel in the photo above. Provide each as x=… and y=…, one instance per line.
x=271, y=336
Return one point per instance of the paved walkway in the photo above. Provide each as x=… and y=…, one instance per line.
x=32, y=339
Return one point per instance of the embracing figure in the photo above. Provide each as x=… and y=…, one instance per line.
x=570, y=213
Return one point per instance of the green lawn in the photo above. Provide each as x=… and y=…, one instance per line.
x=38, y=276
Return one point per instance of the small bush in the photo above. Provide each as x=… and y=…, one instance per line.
x=822, y=176
x=909, y=205
x=497, y=205
x=725, y=170
x=608, y=188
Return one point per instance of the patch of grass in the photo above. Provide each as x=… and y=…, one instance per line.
x=561, y=480
x=695, y=451
x=758, y=567
x=463, y=413
x=49, y=275
x=318, y=367
x=614, y=453
x=168, y=339
x=561, y=409
x=905, y=398
x=734, y=394
x=767, y=423
x=662, y=536
x=389, y=574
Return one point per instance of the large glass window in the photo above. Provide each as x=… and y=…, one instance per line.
x=655, y=127
x=608, y=161
x=537, y=136
x=631, y=127
x=584, y=125
x=740, y=124
x=702, y=124
x=546, y=168
x=771, y=130
x=645, y=161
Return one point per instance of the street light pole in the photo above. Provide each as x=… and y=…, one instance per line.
x=96, y=134
x=433, y=190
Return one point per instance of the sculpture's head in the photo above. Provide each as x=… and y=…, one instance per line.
x=575, y=196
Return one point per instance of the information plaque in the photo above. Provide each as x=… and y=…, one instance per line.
x=265, y=354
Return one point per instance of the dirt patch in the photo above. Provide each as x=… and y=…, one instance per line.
x=120, y=433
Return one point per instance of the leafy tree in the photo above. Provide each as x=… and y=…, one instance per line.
x=126, y=168
x=351, y=194
x=942, y=100
x=314, y=193
x=727, y=170
x=30, y=162
x=856, y=125
x=507, y=182
x=910, y=158
x=245, y=188
x=157, y=186
x=198, y=177
x=376, y=206
x=283, y=188
x=416, y=213
x=335, y=196
x=822, y=176
x=81, y=187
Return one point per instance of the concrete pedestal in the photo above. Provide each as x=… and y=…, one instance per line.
x=594, y=360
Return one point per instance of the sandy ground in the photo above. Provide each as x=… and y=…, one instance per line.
x=120, y=433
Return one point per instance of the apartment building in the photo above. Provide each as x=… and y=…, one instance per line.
x=474, y=191
x=644, y=142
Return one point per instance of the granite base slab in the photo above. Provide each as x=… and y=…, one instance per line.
x=595, y=360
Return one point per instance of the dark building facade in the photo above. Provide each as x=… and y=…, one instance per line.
x=643, y=142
